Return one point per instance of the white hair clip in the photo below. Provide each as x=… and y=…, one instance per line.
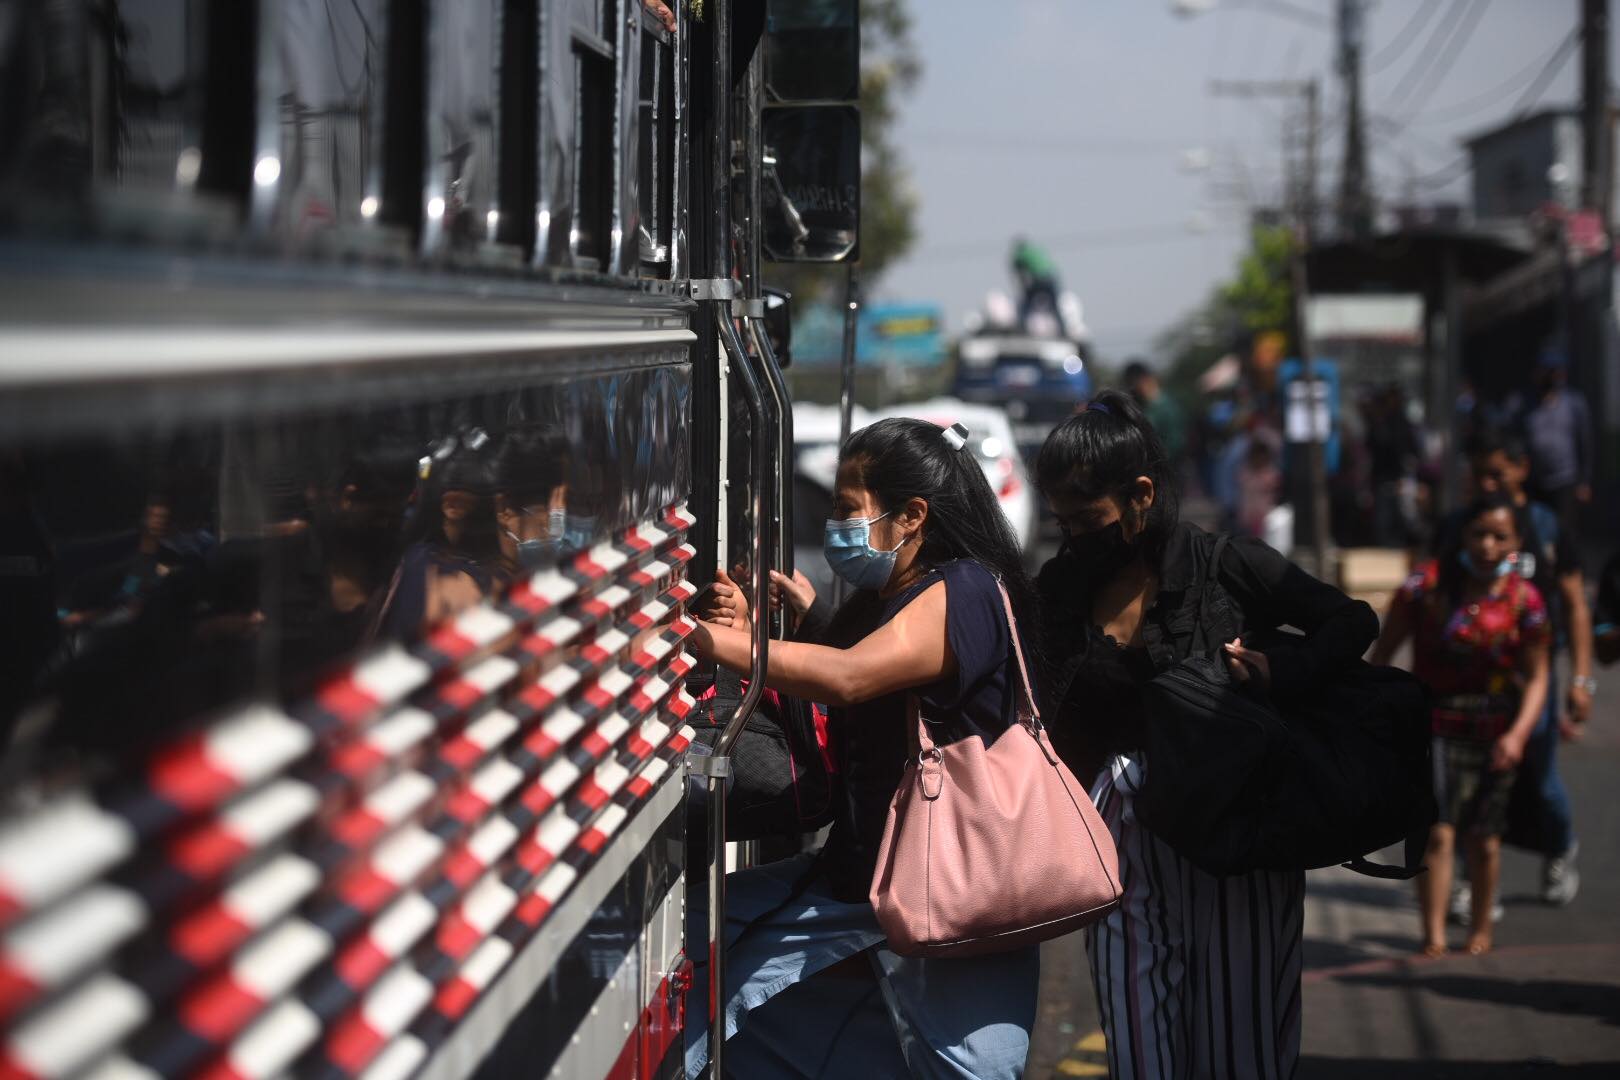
x=956, y=435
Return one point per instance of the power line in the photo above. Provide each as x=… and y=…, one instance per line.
x=1454, y=49
x=1383, y=58
x=1438, y=54
x=1478, y=102
x=973, y=141
x=1530, y=98
x=1426, y=56
x=1554, y=65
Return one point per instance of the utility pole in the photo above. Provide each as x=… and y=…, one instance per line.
x=1355, y=203
x=1596, y=143
x=1595, y=343
x=1315, y=450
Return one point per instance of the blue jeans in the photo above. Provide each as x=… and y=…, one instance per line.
x=964, y=1019
x=1539, y=772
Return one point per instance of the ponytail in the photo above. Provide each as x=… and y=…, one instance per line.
x=900, y=459
x=1101, y=451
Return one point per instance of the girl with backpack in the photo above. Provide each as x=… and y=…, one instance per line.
x=1196, y=975
x=814, y=989
x=1480, y=640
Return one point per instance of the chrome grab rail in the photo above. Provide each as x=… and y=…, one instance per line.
x=718, y=766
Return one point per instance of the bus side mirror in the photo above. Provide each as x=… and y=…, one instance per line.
x=811, y=183
x=779, y=324
x=812, y=50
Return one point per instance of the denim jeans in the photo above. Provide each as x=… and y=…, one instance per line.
x=966, y=1019
x=1539, y=772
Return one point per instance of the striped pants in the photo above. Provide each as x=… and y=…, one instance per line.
x=1196, y=976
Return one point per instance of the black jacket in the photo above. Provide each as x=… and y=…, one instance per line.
x=1306, y=629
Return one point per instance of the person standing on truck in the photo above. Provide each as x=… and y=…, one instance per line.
x=917, y=532
x=1037, y=278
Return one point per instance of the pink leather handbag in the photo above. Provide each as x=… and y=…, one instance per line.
x=991, y=848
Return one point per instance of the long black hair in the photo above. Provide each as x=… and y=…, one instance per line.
x=1100, y=451
x=900, y=459
x=1452, y=577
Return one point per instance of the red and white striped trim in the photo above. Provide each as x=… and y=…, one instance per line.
x=472, y=687
x=391, y=741
x=486, y=788
x=391, y=935
x=555, y=732
x=478, y=740
x=398, y=800
x=270, y=1045
x=541, y=592
x=680, y=517
x=644, y=782
x=385, y=678
x=55, y=945
x=476, y=917
x=546, y=690
x=210, y=933
x=469, y=634
x=268, y=968
x=74, y=1030
x=56, y=849
x=386, y=1011
x=399, y=1060
x=550, y=636
x=600, y=560
x=243, y=749
x=396, y=864
x=475, y=975
x=605, y=603
x=248, y=824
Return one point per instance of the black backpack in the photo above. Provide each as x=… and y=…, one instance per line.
x=779, y=783
x=1234, y=785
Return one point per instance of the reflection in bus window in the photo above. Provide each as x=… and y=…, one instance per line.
x=330, y=54
x=464, y=72
x=157, y=575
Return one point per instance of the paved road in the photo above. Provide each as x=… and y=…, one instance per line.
x=1546, y=1001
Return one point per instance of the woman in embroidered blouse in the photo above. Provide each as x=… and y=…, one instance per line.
x=1479, y=640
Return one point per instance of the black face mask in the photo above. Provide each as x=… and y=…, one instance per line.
x=1103, y=553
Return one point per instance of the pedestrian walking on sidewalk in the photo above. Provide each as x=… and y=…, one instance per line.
x=1480, y=641
x=1196, y=975
x=1539, y=815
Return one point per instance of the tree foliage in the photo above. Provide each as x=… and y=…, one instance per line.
x=1259, y=296
x=1257, y=299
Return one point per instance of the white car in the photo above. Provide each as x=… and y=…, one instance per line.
x=990, y=437
x=815, y=453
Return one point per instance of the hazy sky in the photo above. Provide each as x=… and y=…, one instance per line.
x=1066, y=120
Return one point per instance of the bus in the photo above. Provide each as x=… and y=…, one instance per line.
x=379, y=381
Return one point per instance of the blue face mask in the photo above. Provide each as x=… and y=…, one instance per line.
x=579, y=532
x=532, y=554
x=849, y=552
x=1489, y=573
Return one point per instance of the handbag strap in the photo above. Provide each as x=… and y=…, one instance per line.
x=925, y=743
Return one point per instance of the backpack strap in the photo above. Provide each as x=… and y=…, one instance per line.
x=1210, y=576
